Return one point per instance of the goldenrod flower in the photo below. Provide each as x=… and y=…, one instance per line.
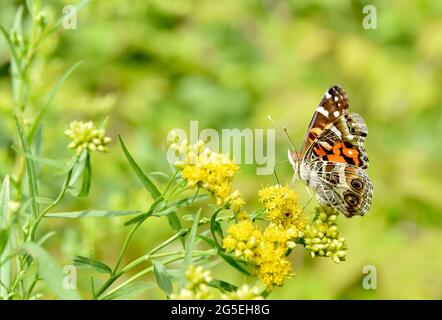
x=322, y=237
x=266, y=250
x=281, y=205
x=272, y=265
x=243, y=239
x=85, y=136
x=203, y=168
x=245, y=292
x=236, y=202
x=197, y=285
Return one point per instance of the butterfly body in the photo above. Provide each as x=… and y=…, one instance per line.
x=333, y=157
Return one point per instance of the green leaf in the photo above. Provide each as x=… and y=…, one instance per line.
x=174, y=221
x=144, y=215
x=214, y=226
x=130, y=290
x=147, y=183
x=160, y=174
x=82, y=262
x=209, y=241
x=179, y=204
x=4, y=235
x=4, y=202
x=6, y=268
x=15, y=60
x=90, y=214
x=222, y=285
x=50, y=272
x=190, y=243
x=234, y=263
x=45, y=161
x=81, y=168
x=36, y=123
x=163, y=278
x=30, y=168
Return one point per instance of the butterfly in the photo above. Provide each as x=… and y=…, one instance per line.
x=333, y=160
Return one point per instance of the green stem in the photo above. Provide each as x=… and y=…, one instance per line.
x=149, y=255
x=51, y=206
x=150, y=269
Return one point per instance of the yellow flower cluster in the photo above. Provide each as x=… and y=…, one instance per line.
x=244, y=292
x=267, y=249
x=207, y=169
x=281, y=206
x=85, y=136
x=197, y=285
x=322, y=237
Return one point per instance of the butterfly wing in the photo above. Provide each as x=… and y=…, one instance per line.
x=344, y=187
x=341, y=141
x=334, y=104
x=334, y=157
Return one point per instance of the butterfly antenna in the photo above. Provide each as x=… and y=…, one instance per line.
x=276, y=176
x=290, y=140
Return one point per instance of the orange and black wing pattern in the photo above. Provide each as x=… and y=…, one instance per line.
x=333, y=105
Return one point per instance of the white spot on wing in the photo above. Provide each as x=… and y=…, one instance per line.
x=336, y=113
x=350, y=152
x=336, y=98
x=327, y=95
x=322, y=111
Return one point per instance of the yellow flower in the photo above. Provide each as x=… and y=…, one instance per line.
x=243, y=239
x=266, y=250
x=85, y=136
x=203, y=168
x=197, y=285
x=281, y=205
x=237, y=202
x=244, y=293
x=273, y=266
x=322, y=237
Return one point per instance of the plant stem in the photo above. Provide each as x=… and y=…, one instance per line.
x=150, y=269
x=51, y=206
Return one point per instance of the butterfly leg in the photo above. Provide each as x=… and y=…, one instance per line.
x=310, y=197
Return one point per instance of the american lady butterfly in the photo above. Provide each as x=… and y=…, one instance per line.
x=333, y=159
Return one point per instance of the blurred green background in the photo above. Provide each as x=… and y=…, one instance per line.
x=155, y=65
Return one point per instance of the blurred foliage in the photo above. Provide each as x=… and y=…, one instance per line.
x=155, y=65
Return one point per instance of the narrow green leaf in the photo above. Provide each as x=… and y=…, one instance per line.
x=50, y=272
x=147, y=183
x=82, y=168
x=99, y=266
x=173, y=206
x=160, y=174
x=214, y=225
x=30, y=168
x=15, y=60
x=131, y=290
x=38, y=119
x=145, y=215
x=45, y=161
x=190, y=243
x=4, y=235
x=174, y=221
x=207, y=240
x=17, y=26
x=6, y=268
x=4, y=202
x=230, y=260
x=163, y=278
x=90, y=214
x=223, y=285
